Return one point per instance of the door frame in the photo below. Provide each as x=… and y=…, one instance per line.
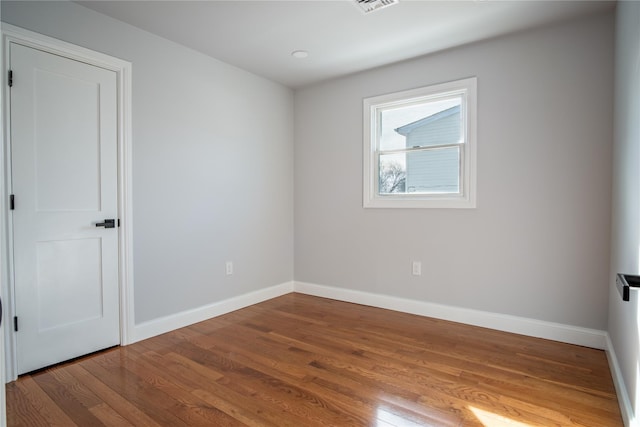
x=123, y=69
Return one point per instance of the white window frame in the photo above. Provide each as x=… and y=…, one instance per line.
x=466, y=89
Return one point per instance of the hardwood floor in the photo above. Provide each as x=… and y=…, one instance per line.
x=304, y=361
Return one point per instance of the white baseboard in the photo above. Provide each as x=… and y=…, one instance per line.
x=628, y=415
x=179, y=320
x=520, y=325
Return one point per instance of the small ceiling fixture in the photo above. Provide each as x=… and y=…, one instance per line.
x=368, y=6
x=300, y=54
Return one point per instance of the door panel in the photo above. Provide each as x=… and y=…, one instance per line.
x=61, y=279
x=64, y=178
x=67, y=147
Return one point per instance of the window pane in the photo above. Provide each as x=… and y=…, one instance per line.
x=434, y=171
x=421, y=124
x=393, y=173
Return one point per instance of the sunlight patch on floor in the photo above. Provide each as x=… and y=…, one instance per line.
x=385, y=418
x=489, y=419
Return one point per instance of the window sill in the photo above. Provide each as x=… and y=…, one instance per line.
x=412, y=202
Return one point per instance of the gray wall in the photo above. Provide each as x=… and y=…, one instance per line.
x=625, y=240
x=213, y=180
x=212, y=163
x=538, y=243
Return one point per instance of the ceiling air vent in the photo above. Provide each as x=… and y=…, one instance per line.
x=368, y=6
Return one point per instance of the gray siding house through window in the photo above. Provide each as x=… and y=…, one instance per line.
x=436, y=170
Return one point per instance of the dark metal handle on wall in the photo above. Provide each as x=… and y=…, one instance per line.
x=626, y=282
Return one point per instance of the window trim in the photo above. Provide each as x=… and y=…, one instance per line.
x=467, y=89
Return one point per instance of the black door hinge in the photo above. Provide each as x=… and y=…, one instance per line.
x=10, y=79
x=15, y=323
x=12, y=202
x=118, y=222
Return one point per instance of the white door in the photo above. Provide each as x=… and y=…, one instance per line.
x=64, y=180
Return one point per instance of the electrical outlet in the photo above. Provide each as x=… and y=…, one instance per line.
x=416, y=268
x=229, y=268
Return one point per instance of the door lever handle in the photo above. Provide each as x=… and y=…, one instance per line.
x=108, y=223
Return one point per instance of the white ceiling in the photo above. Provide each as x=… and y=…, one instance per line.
x=259, y=36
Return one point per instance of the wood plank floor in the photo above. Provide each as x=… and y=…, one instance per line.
x=304, y=361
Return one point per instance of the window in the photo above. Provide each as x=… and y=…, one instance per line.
x=419, y=147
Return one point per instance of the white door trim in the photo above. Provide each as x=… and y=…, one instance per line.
x=12, y=34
